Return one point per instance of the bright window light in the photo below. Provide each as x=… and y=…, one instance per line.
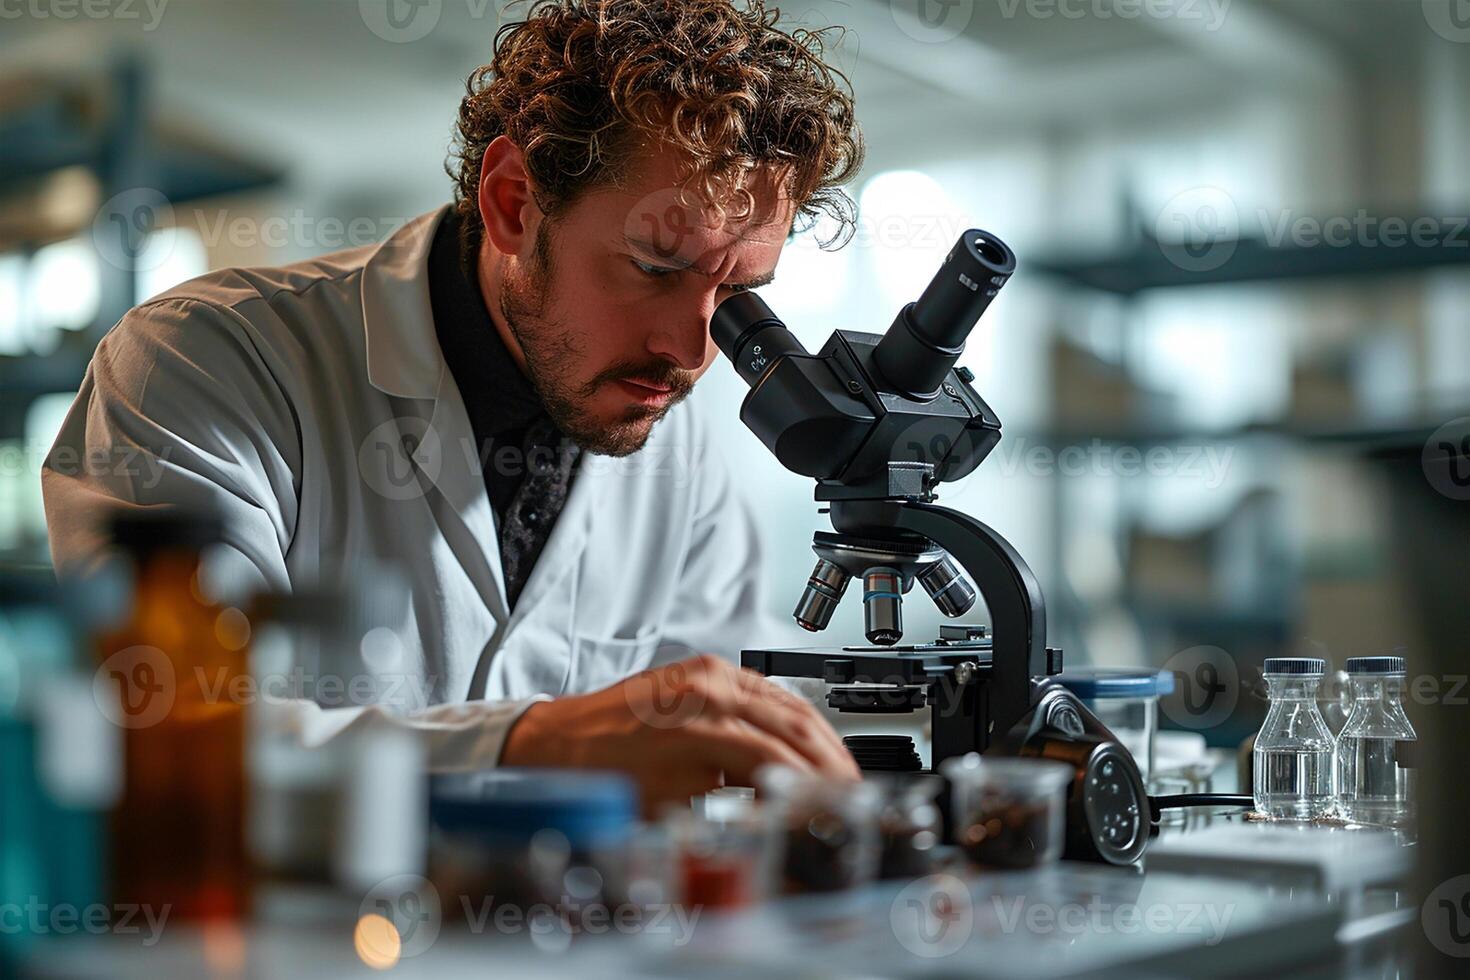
x=811, y=291
x=907, y=224
x=42, y=423
x=170, y=256
x=64, y=287
x=14, y=324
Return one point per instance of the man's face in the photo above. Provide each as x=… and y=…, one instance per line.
x=612, y=309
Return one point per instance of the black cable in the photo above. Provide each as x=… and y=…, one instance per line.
x=1157, y=803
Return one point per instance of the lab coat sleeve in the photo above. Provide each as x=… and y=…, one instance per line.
x=722, y=604
x=464, y=737
x=180, y=408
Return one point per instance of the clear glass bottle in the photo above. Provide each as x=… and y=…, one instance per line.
x=1293, y=755
x=1335, y=700
x=351, y=810
x=1372, y=786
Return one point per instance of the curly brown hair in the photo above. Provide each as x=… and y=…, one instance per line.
x=580, y=84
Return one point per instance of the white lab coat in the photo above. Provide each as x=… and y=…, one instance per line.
x=310, y=405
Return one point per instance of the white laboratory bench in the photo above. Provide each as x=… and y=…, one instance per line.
x=1222, y=897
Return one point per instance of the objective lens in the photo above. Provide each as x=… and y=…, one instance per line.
x=950, y=590
x=823, y=591
x=883, y=606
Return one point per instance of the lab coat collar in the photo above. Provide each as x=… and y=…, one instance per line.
x=403, y=356
x=404, y=360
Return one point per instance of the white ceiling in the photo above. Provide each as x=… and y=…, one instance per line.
x=308, y=85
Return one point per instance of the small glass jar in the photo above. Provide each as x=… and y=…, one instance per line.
x=1126, y=699
x=909, y=824
x=1008, y=813
x=1293, y=755
x=1373, y=786
x=830, y=828
x=724, y=862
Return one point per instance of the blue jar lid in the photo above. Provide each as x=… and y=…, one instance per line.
x=1375, y=665
x=1294, y=665
x=1101, y=683
x=588, y=808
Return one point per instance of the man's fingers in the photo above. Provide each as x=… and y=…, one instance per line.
x=740, y=749
x=799, y=730
x=793, y=720
x=822, y=726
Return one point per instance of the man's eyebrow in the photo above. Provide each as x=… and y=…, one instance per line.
x=757, y=282
x=648, y=248
x=677, y=262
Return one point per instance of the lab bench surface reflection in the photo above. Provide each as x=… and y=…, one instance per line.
x=1196, y=909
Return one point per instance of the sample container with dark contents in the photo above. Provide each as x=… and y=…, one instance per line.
x=909, y=825
x=1008, y=813
x=830, y=828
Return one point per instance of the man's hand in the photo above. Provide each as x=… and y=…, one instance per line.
x=676, y=728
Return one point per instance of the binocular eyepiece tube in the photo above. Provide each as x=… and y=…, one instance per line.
x=751, y=336
x=921, y=346
x=928, y=335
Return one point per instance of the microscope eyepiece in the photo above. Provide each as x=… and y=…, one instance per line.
x=957, y=296
x=927, y=337
x=751, y=336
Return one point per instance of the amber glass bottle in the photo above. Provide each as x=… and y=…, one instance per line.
x=173, y=675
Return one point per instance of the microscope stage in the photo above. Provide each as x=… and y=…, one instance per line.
x=902, y=664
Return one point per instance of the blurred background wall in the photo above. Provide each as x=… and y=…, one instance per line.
x=1245, y=266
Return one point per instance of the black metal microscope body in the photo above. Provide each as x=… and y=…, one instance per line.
x=879, y=421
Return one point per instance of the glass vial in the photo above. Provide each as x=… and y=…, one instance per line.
x=1293, y=755
x=1373, y=787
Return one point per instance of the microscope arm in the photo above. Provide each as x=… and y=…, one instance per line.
x=1002, y=577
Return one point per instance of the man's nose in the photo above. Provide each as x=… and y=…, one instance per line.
x=685, y=338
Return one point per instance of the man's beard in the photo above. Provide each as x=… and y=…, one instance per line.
x=549, y=347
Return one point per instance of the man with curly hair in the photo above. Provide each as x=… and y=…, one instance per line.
x=490, y=400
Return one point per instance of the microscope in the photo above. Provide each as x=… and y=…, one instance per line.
x=879, y=422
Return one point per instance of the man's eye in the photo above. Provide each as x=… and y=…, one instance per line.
x=653, y=271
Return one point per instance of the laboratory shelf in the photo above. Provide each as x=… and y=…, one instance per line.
x=1151, y=264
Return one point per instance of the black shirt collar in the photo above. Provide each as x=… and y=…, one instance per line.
x=498, y=397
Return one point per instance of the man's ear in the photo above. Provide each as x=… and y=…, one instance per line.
x=508, y=208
